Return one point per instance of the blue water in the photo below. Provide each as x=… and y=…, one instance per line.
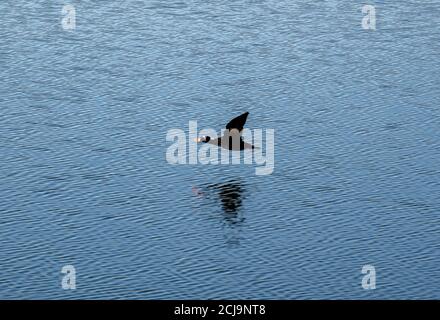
x=84, y=181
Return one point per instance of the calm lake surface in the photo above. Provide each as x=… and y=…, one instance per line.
x=84, y=180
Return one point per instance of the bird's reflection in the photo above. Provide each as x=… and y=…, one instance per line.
x=229, y=196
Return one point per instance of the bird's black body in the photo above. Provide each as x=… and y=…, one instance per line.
x=230, y=144
x=232, y=139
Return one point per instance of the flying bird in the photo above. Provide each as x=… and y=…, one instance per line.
x=232, y=138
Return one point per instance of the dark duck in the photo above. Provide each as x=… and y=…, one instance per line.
x=231, y=138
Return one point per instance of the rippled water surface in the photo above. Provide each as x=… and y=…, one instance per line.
x=84, y=180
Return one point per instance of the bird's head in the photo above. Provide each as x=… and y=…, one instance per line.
x=203, y=139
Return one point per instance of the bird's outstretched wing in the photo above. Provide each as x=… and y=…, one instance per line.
x=238, y=122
